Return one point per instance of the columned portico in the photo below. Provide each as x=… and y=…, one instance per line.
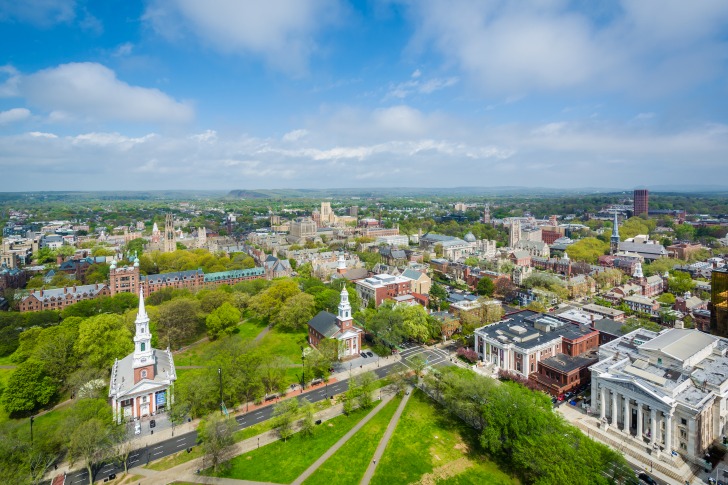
x=615, y=413
x=653, y=429
x=627, y=414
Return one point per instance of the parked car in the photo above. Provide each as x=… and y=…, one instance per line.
x=370, y=354
x=152, y=423
x=364, y=355
x=138, y=428
x=644, y=477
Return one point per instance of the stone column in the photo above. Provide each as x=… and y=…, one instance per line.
x=668, y=433
x=615, y=412
x=639, y=420
x=653, y=429
x=627, y=414
x=602, y=402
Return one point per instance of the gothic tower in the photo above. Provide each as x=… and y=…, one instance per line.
x=486, y=214
x=614, y=240
x=170, y=238
x=143, y=358
x=515, y=234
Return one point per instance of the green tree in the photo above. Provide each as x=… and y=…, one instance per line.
x=284, y=414
x=295, y=312
x=217, y=435
x=222, y=321
x=588, y=249
x=366, y=387
x=28, y=388
x=178, y=321
x=211, y=300
x=307, y=424
x=268, y=303
x=680, y=282
x=198, y=390
x=486, y=287
x=666, y=299
x=102, y=339
x=415, y=322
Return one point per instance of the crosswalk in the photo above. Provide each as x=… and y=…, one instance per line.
x=433, y=356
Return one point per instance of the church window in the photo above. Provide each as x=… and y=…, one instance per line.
x=143, y=346
x=143, y=374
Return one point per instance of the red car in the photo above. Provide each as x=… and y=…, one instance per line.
x=561, y=397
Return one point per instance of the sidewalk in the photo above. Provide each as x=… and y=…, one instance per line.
x=165, y=434
x=186, y=472
x=385, y=439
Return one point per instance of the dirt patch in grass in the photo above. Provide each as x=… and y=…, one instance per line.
x=446, y=471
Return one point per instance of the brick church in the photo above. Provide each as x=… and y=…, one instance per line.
x=340, y=327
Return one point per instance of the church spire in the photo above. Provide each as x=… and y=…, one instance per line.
x=344, y=317
x=143, y=353
x=614, y=240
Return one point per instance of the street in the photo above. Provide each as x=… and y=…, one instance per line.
x=181, y=442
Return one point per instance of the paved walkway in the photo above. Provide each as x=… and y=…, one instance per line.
x=385, y=440
x=186, y=472
x=262, y=334
x=309, y=471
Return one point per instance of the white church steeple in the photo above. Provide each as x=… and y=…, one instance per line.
x=143, y=352
x=344, y=317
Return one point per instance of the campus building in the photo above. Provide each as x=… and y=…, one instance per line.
x=668, y=389
x=141, y=383
x=340, y=327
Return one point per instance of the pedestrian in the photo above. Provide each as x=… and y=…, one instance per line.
x=375, y=462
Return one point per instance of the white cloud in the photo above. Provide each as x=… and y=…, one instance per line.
x=646, y=47
x=386, y=147
x=281, y=32
x=90, y=91
x=42, y=13
x=13, y=115
x=123, y=50
x=295, y=135
x=418, y=85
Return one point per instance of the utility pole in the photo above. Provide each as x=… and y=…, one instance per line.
x=303, y=370
x=219, y=373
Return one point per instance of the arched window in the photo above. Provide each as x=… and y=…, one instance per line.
x=143, y=346
x=143, y=374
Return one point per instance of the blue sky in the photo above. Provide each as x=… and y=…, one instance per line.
x=225, y=94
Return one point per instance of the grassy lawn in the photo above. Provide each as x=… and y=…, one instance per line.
x=356, y=453
x=432, y=446
x=201, y=353
x=4, y=376
x=6, y=361
x=182, y=457
x=282, y=462
x=284, y=344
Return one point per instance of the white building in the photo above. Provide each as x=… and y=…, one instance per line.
x=668, y=388
x=141, y=383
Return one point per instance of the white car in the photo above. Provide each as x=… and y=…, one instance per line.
x=138, y=428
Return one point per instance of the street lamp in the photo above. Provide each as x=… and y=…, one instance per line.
x=303, y=370
x=219, y=373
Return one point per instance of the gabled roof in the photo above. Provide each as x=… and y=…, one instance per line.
x=324, y=323
x=412, y=274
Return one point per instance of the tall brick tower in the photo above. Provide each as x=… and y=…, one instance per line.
x=641, y=202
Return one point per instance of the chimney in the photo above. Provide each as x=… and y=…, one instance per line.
x=59, y=259
x=97, y=286
x=74, y=288
x=41, y=292
x=65, y=290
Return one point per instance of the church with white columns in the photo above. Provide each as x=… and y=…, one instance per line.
x=141, y=383
x=667, y=390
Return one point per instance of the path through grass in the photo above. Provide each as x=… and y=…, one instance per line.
x=356, y=453
x=431, y=446
x=283, y=462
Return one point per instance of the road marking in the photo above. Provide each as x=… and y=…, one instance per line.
x=157, y=453
x=181, y=439
x=157, y=447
